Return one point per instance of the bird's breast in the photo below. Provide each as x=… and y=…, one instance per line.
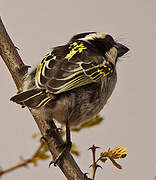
x=83, y=103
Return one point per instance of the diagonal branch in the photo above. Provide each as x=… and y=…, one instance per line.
x=18, y=69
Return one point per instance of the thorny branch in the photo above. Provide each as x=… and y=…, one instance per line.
x=18, y=69
x=112, y=155
x=94, y=165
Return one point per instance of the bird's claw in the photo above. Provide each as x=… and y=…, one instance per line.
x=52, y=162
x=43, y=139
x=53, y=130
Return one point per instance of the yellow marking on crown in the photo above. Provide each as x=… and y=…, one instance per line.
x=75, y=48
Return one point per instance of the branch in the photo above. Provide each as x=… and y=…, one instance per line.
x=24, y=163
x=18, y=69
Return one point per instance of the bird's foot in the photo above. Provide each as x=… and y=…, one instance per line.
x=53, y=131
x=49, y=132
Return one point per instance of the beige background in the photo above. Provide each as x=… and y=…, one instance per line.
x=35, y=27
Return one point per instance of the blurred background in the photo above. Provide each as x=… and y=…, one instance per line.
x=37, y=26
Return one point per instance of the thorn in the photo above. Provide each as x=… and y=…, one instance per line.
x=52, y=162
x=93, y=148
x=98, y=166
x=27, y=66
x=85, y=176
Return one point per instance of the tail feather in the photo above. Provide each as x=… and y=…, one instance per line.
x=33, y=98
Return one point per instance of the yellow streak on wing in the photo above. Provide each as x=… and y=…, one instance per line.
x=43, y=101
x=38, y=71
x=90, y=76
x=68, y=83
x=100, y=74
x=77, y=48
x=95, y=78
x=37, y=94
x=74, y=84
x=37, y=76
x=70, y=76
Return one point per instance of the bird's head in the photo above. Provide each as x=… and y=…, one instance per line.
x=104, y=43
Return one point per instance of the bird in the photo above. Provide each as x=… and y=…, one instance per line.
x=73, y=82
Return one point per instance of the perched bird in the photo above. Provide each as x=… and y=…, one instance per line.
x=74, y=81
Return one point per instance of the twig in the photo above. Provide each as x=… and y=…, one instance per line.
x=22, y=164
x=94, y=165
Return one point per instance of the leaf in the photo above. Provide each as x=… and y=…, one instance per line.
x=115, y=163
x=44, y=149
x=34, y=161
x=44, y=156
x=117, y=152
x=34, y=136
x=76, y=153
x=93, y=122
x=74, y=150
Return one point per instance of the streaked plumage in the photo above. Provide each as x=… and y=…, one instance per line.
x=74, y=81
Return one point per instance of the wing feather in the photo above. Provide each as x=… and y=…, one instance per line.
x=69, y=67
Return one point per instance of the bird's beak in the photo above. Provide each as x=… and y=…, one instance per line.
x=121, y=49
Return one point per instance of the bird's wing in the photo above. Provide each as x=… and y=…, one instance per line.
x=70, y=67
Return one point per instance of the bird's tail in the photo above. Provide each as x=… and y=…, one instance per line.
x=33, y=98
